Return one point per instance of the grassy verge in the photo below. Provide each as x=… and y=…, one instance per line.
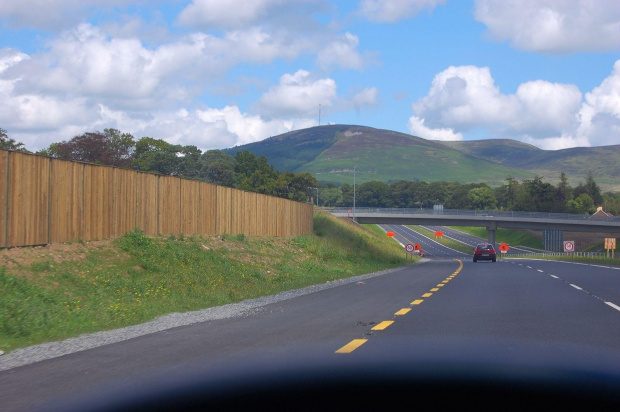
x=592, y=259
x=137, y=278
x=453, y=244
x=510, y=237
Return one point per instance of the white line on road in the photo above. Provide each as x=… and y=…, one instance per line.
x=613, y=306
x=541, y=271
x=554, y=276
x=576, y=287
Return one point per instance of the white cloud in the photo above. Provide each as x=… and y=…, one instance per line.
x=600, y=113
x=227, y=14
x=466, y=99
x=297, y=95
x=52, y=15
x=553, y=26
x=390, y=11
x=342, y=52
x=417, y=128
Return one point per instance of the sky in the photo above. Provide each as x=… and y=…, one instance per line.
x=221, y=73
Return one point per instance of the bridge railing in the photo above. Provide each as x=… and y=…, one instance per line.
x=465, y=212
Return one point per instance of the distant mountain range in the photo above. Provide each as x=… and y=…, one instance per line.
x=332, y=152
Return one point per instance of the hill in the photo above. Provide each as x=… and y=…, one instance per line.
x=331, y=152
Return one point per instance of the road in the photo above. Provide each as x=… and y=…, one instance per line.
x=439, y=307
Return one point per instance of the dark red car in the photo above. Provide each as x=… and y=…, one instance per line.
x=484, y=251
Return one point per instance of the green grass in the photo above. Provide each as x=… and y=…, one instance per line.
x=138, y=278
x=510, y=237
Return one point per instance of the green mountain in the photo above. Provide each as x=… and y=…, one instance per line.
x=332, y=152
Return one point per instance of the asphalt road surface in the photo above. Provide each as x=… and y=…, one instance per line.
x=445, y=307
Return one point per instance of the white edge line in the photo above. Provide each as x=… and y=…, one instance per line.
x=576, y=287
x=613, y=306
x=554, y=276
x=420, y=234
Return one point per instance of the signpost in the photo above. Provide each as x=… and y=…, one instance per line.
x=503, y=248
x=569, y=246
x=610, y=244
x=438, y=234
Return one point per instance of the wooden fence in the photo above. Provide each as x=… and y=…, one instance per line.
x=45, y=200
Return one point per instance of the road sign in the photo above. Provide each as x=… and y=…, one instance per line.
x=439, y=234
x=503, y=248
x=569, y=246
x=390, y=234
x=610, y=243
x=409, y=248
x=417, y=246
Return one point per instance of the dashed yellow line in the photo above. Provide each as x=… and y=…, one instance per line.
x=351, y=346
x=356, y=343
x=383, y=325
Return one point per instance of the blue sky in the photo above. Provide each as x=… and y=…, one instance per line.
x=216, y=74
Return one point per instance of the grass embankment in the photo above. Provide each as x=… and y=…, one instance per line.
x=510, y=237
x=137, y=278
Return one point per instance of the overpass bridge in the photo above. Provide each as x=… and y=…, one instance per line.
x=491, y=219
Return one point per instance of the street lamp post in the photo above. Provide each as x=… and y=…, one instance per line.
x=354, y=167
x=317, y=194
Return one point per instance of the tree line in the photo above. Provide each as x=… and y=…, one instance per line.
x=529, y=195
x=244, y=171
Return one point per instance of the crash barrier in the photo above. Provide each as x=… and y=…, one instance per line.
x=45, y=200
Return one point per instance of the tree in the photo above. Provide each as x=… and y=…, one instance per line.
x=218, y=168
x=564, y=193
x=7, y=143
x=111, y=148
x=482, y=198
x=156, y=155
x=581, y=204
x=373, y=194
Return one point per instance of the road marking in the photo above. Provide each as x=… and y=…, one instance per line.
x=383, y=325
x=541, y=271
x=575, y=286
x=403, y=311
x=427, y=295
x=440, y=285
x=529, y=267
x=445, y=281
x=351, y=346
x=613, y=306
x=435, y=290
x=554, y=276
x=417, y=301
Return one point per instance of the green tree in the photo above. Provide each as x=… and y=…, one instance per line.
x=218, y=168
x=482, y=198
x=156, y=155
x=564, y=193
x=7, y=143
x=581, y=204
x=373, y=194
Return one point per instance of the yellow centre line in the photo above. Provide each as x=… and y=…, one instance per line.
x=383, y=325
x=440, y=285
x=435, y=290
x=351, y=346
x=427, y=295
x=417, y=301
x=403, y=311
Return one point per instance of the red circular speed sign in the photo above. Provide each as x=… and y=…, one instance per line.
x=409, y=248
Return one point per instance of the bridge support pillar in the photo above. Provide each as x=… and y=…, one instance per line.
x=491, y=232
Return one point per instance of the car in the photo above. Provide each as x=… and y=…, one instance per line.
x=484, y=251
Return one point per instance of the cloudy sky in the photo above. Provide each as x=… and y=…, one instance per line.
x=220, y=73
